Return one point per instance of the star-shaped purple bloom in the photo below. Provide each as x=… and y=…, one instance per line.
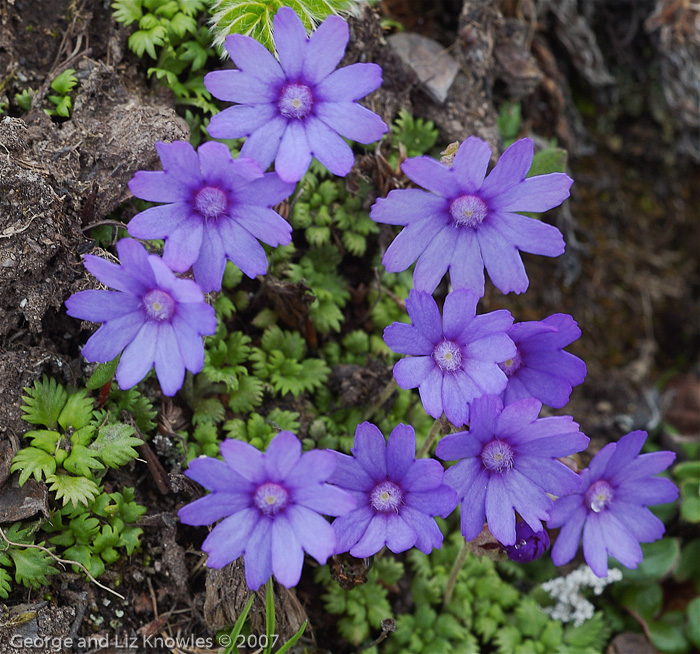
x=397, y=496
x=540, y=368
x=507, y=463
x=217, y=208
x=299, y=107
x=611, y=506
x=154, y=317
x=455, y=358
x=469, y=220
x=271, y=505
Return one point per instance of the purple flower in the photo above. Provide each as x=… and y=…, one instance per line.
x=507, y=463
x=154, y=317
x=529, y=545
x=610, y=507
x=217, y=209
x=455, y=358
x=301, y=106
x=271, y=505
x=540, y=368
x=467, y=222
x=396, y=495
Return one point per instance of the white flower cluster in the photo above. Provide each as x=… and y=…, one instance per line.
x=571, y=605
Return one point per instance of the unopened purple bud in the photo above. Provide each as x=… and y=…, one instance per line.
x=529, y=545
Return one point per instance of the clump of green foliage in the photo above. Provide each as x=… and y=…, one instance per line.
x=254, y=17
x=32, y=566
x=61, y=100
x=364, y=607
x=415, y=135
x=75, y=446
x=687, y=475
x=71, y=453
x=94, y=535
x=640, y=592
x=486, y=611
x=62, y=85
x=171, y=32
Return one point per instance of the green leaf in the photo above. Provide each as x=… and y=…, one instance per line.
x=44, y=439
x=238, y=627
x=136, y=404
x=645, y=600
x=115, y=444
x=32, y=566
x=292, y=641
x=692, y=630
x=82, y=461
x=84, y=527
x=43, y=402
x=354, y=243
x=161, y=73
x=63, y=105
x=667, y=634
x=130, y=538
x=24, y=99
x=146, y=41
x=191, y=7
x=73, y=489
x=660, y=559
x=129, y=510
x=167, y=9
x=127, y=11
x=33, y=461
x=551, y=160
x=592, y=633
x=509, y=121
x=65, y=82
x=181, y=24
x=247, y=396
x=192, y=51
x=687, y=568
x=687, y=470
x=531, y=620
x=5, y=587
x=106, y=538
x=104, y=373
x=82, y=554
x=77, y=411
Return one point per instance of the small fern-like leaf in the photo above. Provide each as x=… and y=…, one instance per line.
x=247, y=396
x=77, y=411
x=73, y=489
x=127, y=11
x=32, y=566
x=115, y=444
x=33, y=461
x=43, y=402
x=5, y=580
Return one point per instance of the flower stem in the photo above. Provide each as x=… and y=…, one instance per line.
x=454, y=573
x=430, y=438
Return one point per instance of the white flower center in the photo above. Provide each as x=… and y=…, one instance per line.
x=448, y=356
x=599, y=495
x=296, y=101
x=386, y=496
x=211, y=202
x=271, y=498
x=159, y=305
x=497, y=456
x=468, y=211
